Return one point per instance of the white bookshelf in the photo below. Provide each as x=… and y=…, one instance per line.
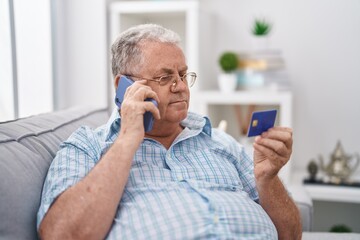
x=180, y=16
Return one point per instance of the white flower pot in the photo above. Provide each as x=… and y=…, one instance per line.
x=227, y=82
x=260, y=43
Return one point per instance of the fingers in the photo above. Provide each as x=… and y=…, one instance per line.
x=139, y=92
x=135, y=96
x=150, y=106
x=276, y=142
x=275, y=158
x=276, y=146
x=282, y=134
x=272, y=151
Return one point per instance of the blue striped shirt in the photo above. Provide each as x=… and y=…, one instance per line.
x=202, y=187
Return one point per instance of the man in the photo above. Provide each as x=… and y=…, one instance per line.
x=181, y=180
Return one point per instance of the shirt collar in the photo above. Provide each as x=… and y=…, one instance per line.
x=113, y=124
x=193, y=121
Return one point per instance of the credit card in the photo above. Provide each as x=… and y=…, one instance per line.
x=261, y=121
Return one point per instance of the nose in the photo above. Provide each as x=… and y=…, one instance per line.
x=178, y=84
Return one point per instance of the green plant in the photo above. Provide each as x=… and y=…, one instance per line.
x=228, y=61
x=340, y=228
x=261, y=27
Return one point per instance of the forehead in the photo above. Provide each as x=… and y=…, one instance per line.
x=159, y=56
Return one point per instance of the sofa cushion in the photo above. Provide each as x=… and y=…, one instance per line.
x=27, y=147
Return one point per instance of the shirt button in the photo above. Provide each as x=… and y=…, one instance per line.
x=180, y=178
x=216, y=219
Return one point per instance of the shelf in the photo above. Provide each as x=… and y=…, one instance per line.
x=152, y=6
x=334, y=193
x=327, y=193
x=245, y=97
x=202, y=99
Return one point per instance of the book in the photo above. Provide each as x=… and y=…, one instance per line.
x=262, y=68
x=261, y=64
x=261, y=60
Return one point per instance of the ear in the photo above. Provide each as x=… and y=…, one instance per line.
x=116, y=81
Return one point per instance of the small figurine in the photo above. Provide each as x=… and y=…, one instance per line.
x=339, y=169
x=312, y=168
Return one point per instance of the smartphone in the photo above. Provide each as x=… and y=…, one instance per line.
x=124, y=83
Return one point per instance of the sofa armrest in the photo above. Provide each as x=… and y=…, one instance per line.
x=27, y=147
x=304, y=203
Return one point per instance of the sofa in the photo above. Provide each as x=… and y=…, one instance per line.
x=27, y=147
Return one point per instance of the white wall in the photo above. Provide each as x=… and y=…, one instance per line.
x=81, y=60
x=33, y=50
x=6, y=74
x=25, y=59
x=321, y=44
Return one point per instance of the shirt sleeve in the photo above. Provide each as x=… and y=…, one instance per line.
x=76, y=157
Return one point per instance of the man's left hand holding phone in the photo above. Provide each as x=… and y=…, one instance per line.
x=139, y=101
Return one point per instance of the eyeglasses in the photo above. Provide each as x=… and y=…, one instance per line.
x=188, y=78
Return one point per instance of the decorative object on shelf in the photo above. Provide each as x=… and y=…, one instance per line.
x=339, y=168
x=261, y=29
x=227, y=80
x=222, y=125
x=248, y=79
x=313, y=169
x=340, y=228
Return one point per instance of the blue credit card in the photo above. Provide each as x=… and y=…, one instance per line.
x=261, y=121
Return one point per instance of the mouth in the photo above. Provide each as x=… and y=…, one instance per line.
x=179, y=101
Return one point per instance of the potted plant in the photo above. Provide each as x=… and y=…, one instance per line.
x=227, y=80
x=261, y=29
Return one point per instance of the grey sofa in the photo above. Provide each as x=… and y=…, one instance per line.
x=27, y=147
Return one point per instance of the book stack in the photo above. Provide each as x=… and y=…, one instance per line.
x=262, y=69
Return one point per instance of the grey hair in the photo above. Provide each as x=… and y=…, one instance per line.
x=126, y=54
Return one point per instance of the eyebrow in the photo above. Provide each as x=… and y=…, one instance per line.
x=169, y=70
